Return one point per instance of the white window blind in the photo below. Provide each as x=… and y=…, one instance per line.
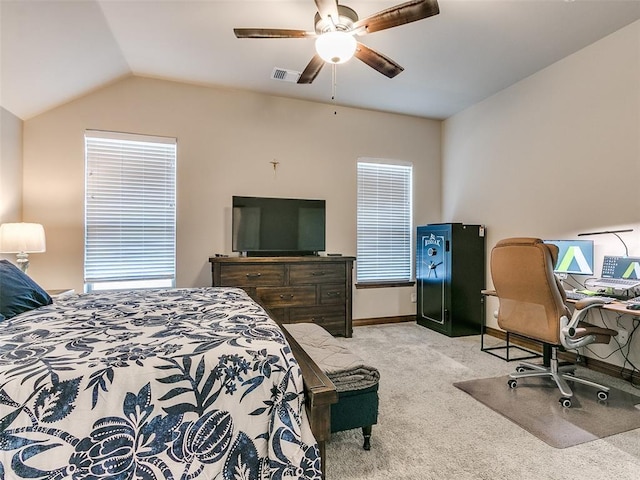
x=130, y=211
x=384, y=222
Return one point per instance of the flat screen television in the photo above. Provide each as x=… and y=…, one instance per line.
x=278, y=226
x=574, y=256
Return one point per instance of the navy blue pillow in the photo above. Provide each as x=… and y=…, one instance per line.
x=18, y=293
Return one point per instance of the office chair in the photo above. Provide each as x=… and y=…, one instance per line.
x=532, y=305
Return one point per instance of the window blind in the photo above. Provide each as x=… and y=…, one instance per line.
x=384, y=221
x=130, y=209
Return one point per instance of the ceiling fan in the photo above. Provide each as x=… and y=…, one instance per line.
x=335, y=30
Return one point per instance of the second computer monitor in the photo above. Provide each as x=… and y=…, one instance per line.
x=621, y=267
x=574, y=256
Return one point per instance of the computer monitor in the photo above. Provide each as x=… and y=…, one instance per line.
x=574, y=256
x=621, y=267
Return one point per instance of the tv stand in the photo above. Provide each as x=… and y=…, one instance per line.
x=309, y=289
x=293, y=253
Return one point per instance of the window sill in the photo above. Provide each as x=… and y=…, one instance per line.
x=384, y=284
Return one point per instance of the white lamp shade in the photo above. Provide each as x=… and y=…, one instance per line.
x=22, y=238
x=336, y=46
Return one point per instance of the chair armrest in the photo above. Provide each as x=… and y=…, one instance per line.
x=574, y=333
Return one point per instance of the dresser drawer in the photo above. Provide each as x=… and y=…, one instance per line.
x=332, y=294
x=286, y=296
x=251, y=275
x=316, y=273
x=316, y=314
x=331, y=318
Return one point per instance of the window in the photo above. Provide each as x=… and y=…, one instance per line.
x=384, y=221
x=130, y=211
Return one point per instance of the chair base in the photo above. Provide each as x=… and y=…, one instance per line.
x=559, y=374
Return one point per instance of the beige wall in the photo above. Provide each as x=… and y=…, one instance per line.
x=226, y=141
x=10, y=170
x=10, y=167
x=554, y=155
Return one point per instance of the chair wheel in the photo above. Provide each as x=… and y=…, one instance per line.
x=602, y=395
x=512, y=383
x=521, y=369
x=565, y=402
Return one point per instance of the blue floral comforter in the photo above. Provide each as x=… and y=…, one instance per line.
x=162, y=384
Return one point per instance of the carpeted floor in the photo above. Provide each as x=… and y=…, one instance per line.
x=429, y=429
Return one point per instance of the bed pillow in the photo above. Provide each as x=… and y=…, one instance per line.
x=18, y=292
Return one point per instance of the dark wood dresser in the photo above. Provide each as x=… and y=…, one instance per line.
x=294, y=289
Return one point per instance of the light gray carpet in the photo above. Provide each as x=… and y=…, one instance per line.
x=534, y=406
x=429, y=429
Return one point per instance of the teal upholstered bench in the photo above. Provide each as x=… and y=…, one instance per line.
x=355, y=382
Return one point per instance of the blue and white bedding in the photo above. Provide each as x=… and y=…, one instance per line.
x=164, y=384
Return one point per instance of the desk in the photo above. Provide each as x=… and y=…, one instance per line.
x=619, y=307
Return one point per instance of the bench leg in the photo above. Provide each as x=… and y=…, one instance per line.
x=366, y=433
x=323, y=458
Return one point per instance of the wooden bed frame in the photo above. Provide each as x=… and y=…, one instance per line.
x=320, y=394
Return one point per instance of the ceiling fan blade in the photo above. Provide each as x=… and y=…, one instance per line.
x=377, y=61
x=328, y=8
x=271, y=33
x=399, y=15
x=312, y=70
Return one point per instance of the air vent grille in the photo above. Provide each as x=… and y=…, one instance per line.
x=284, y=75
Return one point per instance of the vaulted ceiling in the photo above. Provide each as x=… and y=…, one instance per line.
x=54, y=51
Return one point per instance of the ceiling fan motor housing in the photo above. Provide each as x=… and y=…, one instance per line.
x=344, y=23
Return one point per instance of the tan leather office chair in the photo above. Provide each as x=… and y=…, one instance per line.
x=532, y=304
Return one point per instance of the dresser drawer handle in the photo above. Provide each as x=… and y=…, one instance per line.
x=288, y=295
x=333, y=294
x=318, y=274
x=317, y=319
x=254, y=275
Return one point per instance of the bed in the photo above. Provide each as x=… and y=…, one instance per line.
x=161, y=384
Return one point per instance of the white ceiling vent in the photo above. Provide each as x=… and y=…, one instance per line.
x=285, y=75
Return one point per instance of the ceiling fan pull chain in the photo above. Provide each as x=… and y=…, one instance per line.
x=333, y=87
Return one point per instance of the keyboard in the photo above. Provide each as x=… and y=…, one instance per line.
x=619, y=283
x=571, y=295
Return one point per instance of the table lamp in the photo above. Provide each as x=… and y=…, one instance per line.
x=22, y=239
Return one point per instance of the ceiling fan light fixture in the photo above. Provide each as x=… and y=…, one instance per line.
x=336, y=46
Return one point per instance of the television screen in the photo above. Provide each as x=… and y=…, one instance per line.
x=574, y=256
x=278, y=226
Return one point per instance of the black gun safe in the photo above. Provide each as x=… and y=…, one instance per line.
x=450, y=274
